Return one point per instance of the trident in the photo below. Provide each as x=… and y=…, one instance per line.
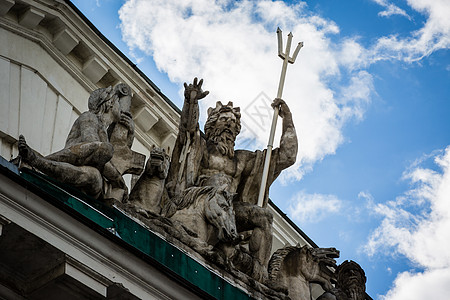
x=286, y=59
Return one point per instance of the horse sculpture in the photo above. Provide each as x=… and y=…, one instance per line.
x=205, y=213
x=294, y=268
x=148, y=191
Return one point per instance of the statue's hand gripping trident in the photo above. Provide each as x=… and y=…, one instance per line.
x=286, y=59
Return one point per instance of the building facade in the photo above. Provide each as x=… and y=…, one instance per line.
x=52, y=242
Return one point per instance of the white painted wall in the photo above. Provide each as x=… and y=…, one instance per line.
x=31, y=106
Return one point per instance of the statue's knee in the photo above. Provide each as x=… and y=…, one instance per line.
x=106, y=149
x=102, y=154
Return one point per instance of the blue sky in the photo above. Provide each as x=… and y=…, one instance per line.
x=370, y=96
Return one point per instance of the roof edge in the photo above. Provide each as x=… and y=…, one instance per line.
x=122, y=55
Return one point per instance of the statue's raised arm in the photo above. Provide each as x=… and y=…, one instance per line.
x=287, y=152
x=190, y=113
x=189, y=145
x=282, y=157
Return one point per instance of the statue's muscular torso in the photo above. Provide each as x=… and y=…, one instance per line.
x=217, y=169
x=87, y=128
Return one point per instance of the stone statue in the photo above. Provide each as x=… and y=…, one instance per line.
x=294, y=268
x=206, y=213
x=210, y=160
x=121, y=136
x=148, y=192
x=86, y=160
x=351, y=280
x=350, y=285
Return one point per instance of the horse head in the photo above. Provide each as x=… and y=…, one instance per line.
x=323, y=260
x=158, y=163
x=294, y=266
x=219, y=212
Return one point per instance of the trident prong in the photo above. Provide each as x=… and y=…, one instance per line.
x=286, y=59
x=294, y=56
x=280, y=43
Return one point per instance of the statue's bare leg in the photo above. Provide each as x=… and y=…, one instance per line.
x=87, y=178
x=258, y=219
x=26, y=153
x=94, y=154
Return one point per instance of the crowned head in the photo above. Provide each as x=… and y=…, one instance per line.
x=222, y=127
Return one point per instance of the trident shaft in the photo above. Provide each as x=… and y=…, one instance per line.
x=286, y=59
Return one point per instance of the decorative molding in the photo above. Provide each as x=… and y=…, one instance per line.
x=145, y=118
x=94, y=69
x=31, y=18
x=5, y=6
x=3, y=221
x=65, y=41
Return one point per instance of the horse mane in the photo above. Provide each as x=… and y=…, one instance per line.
x=190, y=196
x=279, y=256
x=277, y=259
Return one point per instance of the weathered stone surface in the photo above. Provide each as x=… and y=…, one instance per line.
x=350, y=285
x=5, y=6
x=206, y=213
x=294, y=268
x=94, y=69
x=199, y=162
x=148, y=191
x=31, y=18
x=89, y=160
x=121, y=136
x=179, y=235
x=351, y=279
x=65, y=41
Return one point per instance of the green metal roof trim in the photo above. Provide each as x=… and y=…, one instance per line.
x=117, y=225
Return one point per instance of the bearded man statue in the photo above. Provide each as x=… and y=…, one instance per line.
x=351, y=280
x=350, y=285
x=211, y=160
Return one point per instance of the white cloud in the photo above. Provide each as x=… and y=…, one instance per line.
x=312, y=208
x=432, y=284
x=433, y=36
x=417, y=225
x=232, y=45
x=391, y=9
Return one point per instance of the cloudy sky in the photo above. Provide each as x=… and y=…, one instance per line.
x=370, y=96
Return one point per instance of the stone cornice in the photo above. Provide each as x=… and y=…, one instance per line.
x=65, y=34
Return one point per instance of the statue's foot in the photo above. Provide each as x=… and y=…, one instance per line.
x=27, y=154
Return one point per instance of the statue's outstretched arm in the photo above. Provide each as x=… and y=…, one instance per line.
x=190, y=113
x=287, y=152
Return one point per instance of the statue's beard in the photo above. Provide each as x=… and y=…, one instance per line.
x=355, y=291
x=223, y=140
